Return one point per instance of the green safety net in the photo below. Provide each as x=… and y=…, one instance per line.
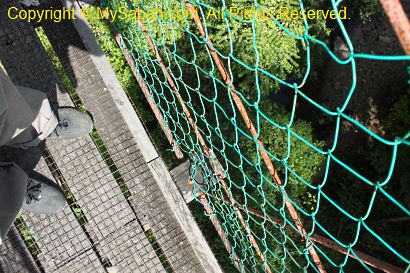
x=260, y=53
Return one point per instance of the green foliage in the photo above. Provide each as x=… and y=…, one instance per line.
x=365, y=9
x=396, y=125
x=398, y=122
x=245, y=46
x=275, y=141
x=276, y=51
x=27, y=237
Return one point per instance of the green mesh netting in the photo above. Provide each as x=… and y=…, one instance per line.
x=269, y=61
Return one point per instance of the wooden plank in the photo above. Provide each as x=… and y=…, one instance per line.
x=84, y=263
x=15, y=256
x=60, y=236
x=131, y=252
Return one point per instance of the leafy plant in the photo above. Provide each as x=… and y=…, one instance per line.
x=365, y=9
